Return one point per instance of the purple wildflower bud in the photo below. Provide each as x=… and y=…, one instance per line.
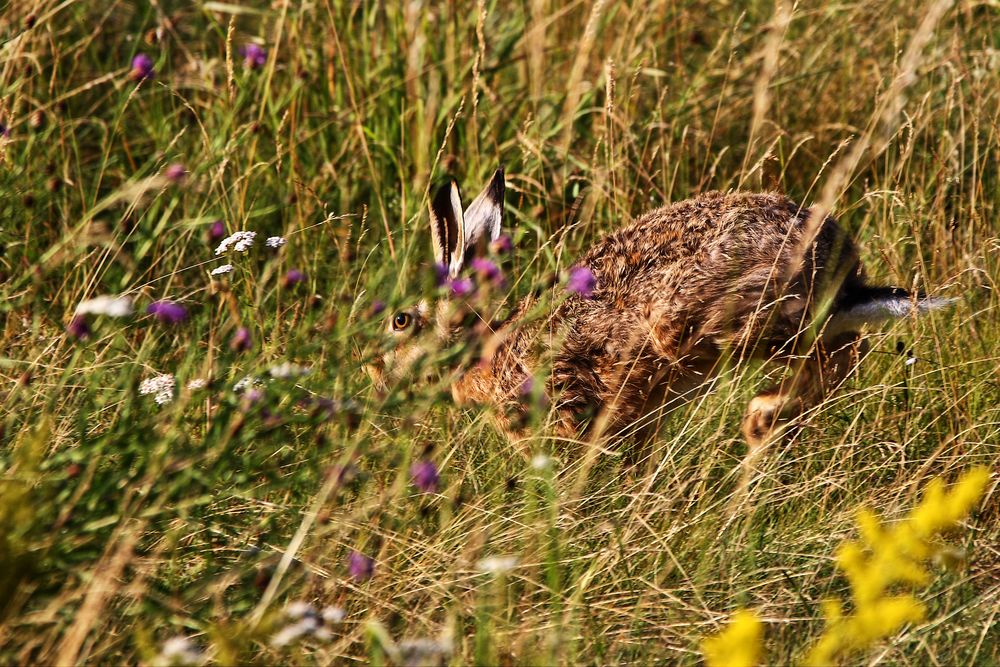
x=293, y=277
x=581, y=281
x=487, y=270
x=526, y=394
x=142, y=67
x=216, y=231
x=378, y=307
x=175, y=172
x=502, y=246
x=251, y=396
x=461, y=286
x=425, y=476
x=360, y=566
x=4, y=131
x=440, y=274
x=254, y=55
x=241, y=340
x=78, y=328
x=168, y=312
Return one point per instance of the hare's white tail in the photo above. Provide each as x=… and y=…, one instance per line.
x=878, y=305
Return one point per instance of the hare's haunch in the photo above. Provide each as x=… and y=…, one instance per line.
x=674, y=291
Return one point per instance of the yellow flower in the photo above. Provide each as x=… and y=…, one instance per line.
x=888, y=557
x=739, y=645
x=886, y=616
x=939, y=512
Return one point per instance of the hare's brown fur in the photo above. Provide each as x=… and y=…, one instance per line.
x=676, y=290
x=673, y=289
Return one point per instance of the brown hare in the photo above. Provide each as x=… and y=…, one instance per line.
x=674, y=292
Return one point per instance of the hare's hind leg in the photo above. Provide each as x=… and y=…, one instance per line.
x=811, y=380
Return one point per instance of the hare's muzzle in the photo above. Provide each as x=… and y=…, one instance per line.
x=376, y=373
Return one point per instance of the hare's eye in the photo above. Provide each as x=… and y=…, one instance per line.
x=401, y=321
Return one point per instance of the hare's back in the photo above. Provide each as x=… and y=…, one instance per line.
x=732, y=232
x=698, y=274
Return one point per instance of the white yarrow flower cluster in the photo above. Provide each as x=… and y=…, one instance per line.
x=161, y=387
x=196, y=384
x=112, y=306
x=288, y=370
x=497, y=564
x=179, y=651
x=306, y=621
x=540, y=462
x=246, y=383
x=275, y=241
x=239, y=241
x=423, y=651
x=222, y=270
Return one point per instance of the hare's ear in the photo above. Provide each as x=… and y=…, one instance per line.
x=448, y=227
x=485, y=213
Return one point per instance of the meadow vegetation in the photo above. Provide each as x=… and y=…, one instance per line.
x=204, y=471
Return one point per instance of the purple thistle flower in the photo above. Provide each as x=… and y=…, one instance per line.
x=526, y=394
x=78, y=328
x=360, y=566
x=502, y=246
x=293, y=277
x=168, y=312
x=440, y=274
x=252, y=396
x=142, y=67
x=216, y=231
x=241, y=341
x=254, y=55
x=425, y=476
x=175, y=172
x=581, y=281
x=487, y=270
x=461, y=286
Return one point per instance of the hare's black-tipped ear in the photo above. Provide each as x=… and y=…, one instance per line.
x=448, y=227
x=485, y=213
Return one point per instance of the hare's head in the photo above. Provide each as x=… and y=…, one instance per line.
x=457, y=236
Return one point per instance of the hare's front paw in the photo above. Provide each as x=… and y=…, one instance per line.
x=766, y=416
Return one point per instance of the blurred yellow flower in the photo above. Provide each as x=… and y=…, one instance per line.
x=887, y=557
x=739, y=645
x=884, y=558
